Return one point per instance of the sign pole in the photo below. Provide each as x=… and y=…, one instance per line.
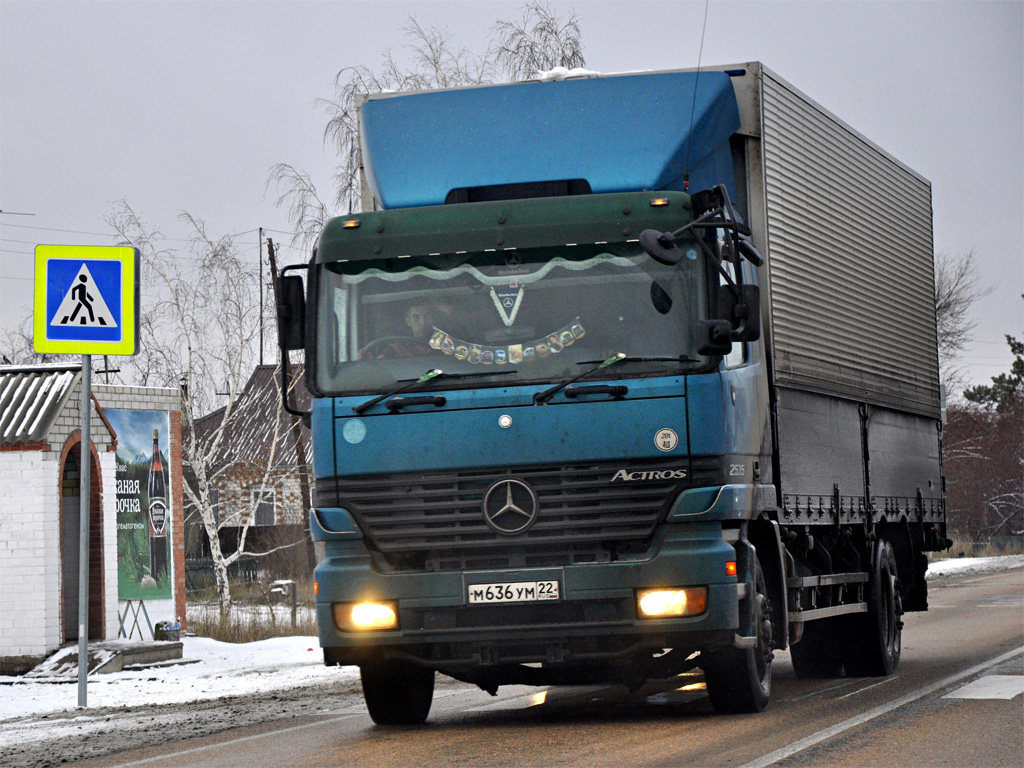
x=86, y=302
x=84, y=478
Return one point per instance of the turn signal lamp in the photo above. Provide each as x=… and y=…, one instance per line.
x=316, y=588
x=351, y=224
x=366, y=616
x=662, y=603
x=657, y=202
x=730, y=568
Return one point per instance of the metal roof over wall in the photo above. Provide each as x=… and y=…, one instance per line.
x=31, y=398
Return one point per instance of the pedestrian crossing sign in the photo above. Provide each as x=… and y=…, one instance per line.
x=86, y=300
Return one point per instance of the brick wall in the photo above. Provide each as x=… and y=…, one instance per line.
x=29, y=554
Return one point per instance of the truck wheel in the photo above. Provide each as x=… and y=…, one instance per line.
x=397, y=692
x=875, y=638
x=740, y=679
x=820, y=651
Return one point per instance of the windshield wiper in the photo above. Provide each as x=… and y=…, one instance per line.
x=541, y=398
x=433, y=373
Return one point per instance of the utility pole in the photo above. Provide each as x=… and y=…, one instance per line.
x=300, y=450
x=261, y=294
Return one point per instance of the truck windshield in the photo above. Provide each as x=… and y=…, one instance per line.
x=510, y=317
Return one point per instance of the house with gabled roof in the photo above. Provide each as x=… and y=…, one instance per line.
x=261, y=471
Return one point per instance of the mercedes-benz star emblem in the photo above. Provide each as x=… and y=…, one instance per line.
x=510, y=506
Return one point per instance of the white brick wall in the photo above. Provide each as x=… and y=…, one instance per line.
x=29, y=554
x=108, y=473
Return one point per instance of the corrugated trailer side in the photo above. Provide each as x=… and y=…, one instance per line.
x=850, y=325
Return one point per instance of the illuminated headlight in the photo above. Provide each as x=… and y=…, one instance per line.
x=366, y=616
x=660, y=603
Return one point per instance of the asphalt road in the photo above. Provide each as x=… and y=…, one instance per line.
x=940, y=708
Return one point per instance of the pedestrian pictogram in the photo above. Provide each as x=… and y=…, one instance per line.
x=84, y=304
x=86, y=300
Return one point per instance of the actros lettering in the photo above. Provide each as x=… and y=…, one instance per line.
x=664, y=474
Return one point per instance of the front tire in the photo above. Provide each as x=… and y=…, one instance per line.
x=397, y=692
x=740, y=679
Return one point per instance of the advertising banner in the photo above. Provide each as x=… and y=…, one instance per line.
x=143, y=504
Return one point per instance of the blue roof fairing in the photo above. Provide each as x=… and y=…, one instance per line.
x=620, y=133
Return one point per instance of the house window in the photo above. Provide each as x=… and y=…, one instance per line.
x=264, y=505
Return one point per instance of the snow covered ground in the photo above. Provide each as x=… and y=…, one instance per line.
x=241, y=670
x=222, y=669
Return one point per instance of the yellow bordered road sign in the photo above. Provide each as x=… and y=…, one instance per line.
x=86, y=300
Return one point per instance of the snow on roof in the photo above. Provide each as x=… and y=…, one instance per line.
x=563, y=73
x=249, y=431
x=31, y=397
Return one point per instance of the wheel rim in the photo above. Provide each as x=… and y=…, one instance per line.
x=889, y=615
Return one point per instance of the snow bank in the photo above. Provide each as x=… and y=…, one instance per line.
x=223, y=669
x=961, y=566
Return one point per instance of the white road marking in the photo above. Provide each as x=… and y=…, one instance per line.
x=816, y=738
x=990, y=687
x=890, y=679
x=172, y=755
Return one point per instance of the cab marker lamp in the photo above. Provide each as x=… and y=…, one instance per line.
x=672, y=601
x=366, y=616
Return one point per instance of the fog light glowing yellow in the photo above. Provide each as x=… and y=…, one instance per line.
x=366, y=616
x=659, y=603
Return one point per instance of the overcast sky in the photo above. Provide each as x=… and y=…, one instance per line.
x=185, y=106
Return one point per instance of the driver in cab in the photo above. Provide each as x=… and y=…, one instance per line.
x=420, y=320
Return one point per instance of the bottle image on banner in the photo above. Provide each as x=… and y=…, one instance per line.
x=157, y=513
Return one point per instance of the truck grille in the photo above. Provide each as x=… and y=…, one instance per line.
x=434, y=520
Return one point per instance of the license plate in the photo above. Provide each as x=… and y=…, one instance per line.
x=513, y=592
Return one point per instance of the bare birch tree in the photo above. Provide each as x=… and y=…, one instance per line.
x=518, y=50
x=201, y=331
x=956, y=290
x=539, y=41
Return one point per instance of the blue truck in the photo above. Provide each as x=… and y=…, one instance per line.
x=614, y=378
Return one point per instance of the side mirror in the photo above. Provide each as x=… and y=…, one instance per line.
x=291, y=313
x=744, y=315
x=714, y=337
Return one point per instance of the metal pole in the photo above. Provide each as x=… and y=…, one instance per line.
x=261, y=296
x=85, y=467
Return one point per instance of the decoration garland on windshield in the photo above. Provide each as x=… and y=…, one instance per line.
x=476, y=353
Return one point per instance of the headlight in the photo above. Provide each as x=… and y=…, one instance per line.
x=673, y=601
x=355, y=617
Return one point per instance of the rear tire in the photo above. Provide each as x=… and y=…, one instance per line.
x=740, y=679
x=397, y=692
x=874, y=639
x=820, y=651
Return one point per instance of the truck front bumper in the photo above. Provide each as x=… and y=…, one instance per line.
x=594, y=619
